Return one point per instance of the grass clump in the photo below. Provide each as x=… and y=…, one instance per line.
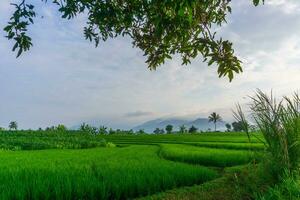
x=280, y=126
x=287, y=189
x=279, y=123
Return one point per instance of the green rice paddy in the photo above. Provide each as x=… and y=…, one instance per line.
x=77, y=166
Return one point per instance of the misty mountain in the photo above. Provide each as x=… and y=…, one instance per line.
x=200, y=123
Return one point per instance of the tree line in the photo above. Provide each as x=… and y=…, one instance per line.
x=236, y=126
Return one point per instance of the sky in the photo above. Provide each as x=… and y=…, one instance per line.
x=64, y=79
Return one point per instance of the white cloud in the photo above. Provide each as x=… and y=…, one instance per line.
x=288, y=6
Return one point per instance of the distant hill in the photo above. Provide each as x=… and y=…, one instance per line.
x=200, y=123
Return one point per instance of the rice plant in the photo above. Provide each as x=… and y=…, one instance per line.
x=206, y=156
x=99, y=173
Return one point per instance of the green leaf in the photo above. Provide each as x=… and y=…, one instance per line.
x=19, y=52
x=256, y=2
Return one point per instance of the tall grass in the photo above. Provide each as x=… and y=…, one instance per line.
x=279, y=123
x=287, y=189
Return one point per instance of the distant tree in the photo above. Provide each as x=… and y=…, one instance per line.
x=88, y=129
x=162, y=131
x=2, y=129
x=93, y=130
x=40, y=129
x=61, y=127
x=214, y=117
x=111, y=131
x=182, y=129
x=141, y=131
x=169, y=128
x=83, y=126
x=156, y=131
x=237, y=126
x=193, y=129
x=102, y=130
x=130, y=132
x=50, y=128
x=228, y=126
x=13, y=125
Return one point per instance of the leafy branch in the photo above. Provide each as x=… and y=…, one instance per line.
x=160, y=29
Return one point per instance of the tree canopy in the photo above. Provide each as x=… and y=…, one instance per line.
x=161, y=29
x=13, y=125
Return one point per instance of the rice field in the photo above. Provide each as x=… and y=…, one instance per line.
x=206, y=156
x=59, y=166
x=101, y=173
x=184, y=138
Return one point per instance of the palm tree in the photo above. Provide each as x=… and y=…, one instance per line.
x=214, y=117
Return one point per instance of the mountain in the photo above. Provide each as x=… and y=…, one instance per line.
x=200, y=123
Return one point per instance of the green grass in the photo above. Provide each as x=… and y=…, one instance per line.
x=66, y=165
x=227, y=145
x=33, y=140
x=222, y=188
x=183, y=138
x=206, y=156
x=103, y=173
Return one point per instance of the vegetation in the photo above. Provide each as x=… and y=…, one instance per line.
x=237, y=126
x=169, y=128
x=182, y=129
x=205, y=156
x=280, y=126
x=159, y=28
x=184, y=138
x=214, y=117
x=157, y=131
x=13, y=125
x=52, y=139
x=193, y=129
x=107, y=173
x=279, y=123
x=228, y=127
x=60, y=172
x=229, y=145
x=263, y=165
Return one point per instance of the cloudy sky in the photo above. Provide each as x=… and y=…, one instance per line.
x=64, y=79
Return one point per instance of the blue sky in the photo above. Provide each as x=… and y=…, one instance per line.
x=64, y=79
